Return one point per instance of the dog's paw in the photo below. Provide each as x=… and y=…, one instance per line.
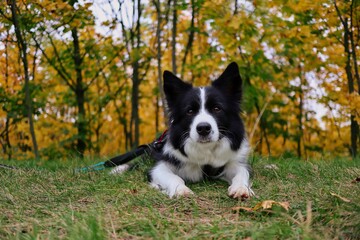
x=240, y=192
x=155, y=186
x=181, y=191
x=120, y=169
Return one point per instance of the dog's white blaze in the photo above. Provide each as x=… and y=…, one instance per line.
x=202, y=98
x=204, y=117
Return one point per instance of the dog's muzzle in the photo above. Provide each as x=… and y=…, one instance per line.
x=204, y=130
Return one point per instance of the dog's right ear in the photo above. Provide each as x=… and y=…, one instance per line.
x=174, y=87
x=230, y=83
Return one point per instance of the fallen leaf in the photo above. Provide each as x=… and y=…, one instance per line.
x=264, y=205
x=340, y=197
x=285, y=205
x=268, y=204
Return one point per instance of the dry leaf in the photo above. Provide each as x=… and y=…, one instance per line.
x=284, y=205
x=268, y=204
x=264, y=205
x=340, y=197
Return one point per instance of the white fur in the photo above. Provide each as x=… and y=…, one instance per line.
x=204, y=116
x=120, y=169
x=165, y=179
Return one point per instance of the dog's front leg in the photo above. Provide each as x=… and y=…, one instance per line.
x=165, y=179
x=237, y=175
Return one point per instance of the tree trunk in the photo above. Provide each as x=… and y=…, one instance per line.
x=267, y=141
x=259, y=144
x=7, y=148
x=352, y=42
x=23, y=53
x=135, y=121
x=173, y=36
x=300, y=126
x=300, y=141
x=354, y=126
x=191, y=37
x=159, y=68
x=80, y=95
x=157, y=113
x=235, y=7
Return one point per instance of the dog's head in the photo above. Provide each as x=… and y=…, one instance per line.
x=204, y=115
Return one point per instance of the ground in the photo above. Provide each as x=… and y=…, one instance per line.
x=47, y=200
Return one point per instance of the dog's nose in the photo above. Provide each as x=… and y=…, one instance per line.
x=203, y=128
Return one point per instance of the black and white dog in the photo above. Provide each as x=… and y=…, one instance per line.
x=206, y=136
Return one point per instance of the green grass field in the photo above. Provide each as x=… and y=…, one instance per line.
x=48, y=201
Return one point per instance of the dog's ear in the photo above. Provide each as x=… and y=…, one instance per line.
x=174, y=87
x=230, y=82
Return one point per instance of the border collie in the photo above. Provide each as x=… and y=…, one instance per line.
x=206, y=136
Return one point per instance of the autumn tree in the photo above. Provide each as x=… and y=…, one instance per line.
x=7, y=98
x=22, y=24
x=69, y=61
x=348, y=13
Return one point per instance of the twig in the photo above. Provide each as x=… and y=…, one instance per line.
x=259, y=117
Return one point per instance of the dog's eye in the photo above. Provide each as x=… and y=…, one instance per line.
x=216, y=109
x=190, y=112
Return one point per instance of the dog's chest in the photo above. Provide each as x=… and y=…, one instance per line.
x=213, y=154
x=204, y=161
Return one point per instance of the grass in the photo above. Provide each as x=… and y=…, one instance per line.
x=48, y=201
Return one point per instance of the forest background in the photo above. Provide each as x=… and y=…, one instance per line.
x=83, y=78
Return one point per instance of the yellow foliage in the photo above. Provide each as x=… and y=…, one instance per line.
x=275, y=43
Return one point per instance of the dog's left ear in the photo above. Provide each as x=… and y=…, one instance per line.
x=230, y=82
x=174, y=88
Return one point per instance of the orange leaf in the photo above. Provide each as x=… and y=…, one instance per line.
x=285, y=205
x=267, y=204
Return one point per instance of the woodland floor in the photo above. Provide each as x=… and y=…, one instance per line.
x=47, y=200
